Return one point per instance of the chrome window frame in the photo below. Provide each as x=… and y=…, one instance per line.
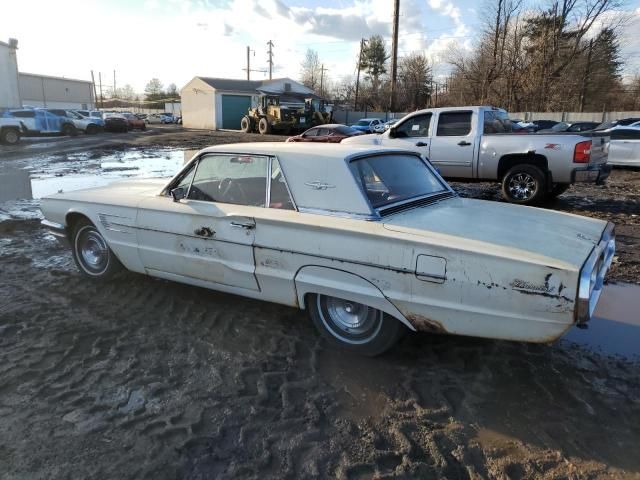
x=601, y=257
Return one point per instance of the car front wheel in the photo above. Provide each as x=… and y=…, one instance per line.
x=10, y=136
x=91, y=253
x=354, y=326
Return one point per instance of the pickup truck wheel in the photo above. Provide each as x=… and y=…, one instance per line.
x=353, y=326
x=524, y=184
x=69, y=130
x=558, y=189
x=10, y=136
x=91, y=253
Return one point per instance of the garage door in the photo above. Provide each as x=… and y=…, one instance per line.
x=234, y=107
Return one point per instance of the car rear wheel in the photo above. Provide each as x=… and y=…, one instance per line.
x=264, y=127
x=91, y=129
x=91, y=253
x=354, y=326
x=524, y=184
x=10, y=136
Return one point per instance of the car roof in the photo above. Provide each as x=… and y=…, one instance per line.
x=304, y=164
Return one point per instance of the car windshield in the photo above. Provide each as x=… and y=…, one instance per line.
x=388, y=179
x=560, y=127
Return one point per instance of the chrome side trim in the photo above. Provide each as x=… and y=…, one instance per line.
x=334, y=213
x=600, y=259
x=57, y=230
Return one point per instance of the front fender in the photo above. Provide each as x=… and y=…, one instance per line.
x=345, y=285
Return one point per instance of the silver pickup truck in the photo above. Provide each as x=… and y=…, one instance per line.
x=476, y=143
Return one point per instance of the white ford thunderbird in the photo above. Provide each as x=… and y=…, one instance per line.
x=371, y=242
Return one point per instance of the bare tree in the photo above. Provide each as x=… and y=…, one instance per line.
x=310, y=73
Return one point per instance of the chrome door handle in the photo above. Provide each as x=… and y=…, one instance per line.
x=422, y=144
x=204, y=232
x=246, y=226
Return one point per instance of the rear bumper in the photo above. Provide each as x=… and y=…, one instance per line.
x=591, y=280
x=597, y=174
x=57, y=230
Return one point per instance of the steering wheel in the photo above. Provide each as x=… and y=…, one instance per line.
x=231, y=192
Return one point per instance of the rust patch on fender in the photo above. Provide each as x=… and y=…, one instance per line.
x=425, y=324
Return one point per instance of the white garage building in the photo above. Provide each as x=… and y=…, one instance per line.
x=215, y=103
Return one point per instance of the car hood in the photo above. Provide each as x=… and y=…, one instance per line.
x=121, y=192
x=369, y=139
x=553, y=238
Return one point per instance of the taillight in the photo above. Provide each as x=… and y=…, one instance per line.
x=582, y=152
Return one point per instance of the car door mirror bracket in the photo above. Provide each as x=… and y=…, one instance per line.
x=178, y=194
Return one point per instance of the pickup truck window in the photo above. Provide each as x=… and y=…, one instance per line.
x=417, y=126
x=24, y=114
x=454, y=124
x=496, y=122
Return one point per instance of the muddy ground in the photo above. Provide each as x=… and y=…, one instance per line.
x=143, y=378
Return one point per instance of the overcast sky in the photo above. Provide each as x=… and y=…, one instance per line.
x=175, y=40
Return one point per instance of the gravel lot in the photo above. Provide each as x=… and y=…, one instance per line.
x=143, y=378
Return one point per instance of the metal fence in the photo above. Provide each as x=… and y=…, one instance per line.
x=349, y=117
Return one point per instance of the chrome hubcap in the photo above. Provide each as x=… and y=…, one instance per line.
x=522, y=186
x=349, y=321
x=11, y=137
x=93, y=250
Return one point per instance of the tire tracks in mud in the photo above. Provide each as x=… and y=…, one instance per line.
x=142, y=378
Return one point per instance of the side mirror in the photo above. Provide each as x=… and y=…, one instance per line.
x=392, y=132
x=178, y=194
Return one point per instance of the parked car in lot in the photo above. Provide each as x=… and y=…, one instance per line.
x=570, y=127
x=624, y=149
x=543, y=124
x=41, y=122
x=383, y=127
x=476, y=143
x=330, y=133
x=115, y=122
x=88, y=125
x=90, y=113
x=367, y=125
x=159, y=118
x=370, y=240
x=134, y=122
x=615, y=123
x=11, y=130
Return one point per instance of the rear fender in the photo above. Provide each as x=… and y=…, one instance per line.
x=345, y=285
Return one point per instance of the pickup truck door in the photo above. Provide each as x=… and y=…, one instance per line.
x=412, y=133
x=452, y=147
x=208, y=235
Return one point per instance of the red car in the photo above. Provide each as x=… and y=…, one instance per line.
x=330, y=133
x=134, y=122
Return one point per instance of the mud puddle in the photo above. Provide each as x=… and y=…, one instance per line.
x=615, y=328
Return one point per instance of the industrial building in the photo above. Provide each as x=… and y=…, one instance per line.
x=9, y=92
x=215, y=103
x=55, y=92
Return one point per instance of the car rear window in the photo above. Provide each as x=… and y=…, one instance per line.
x=388, y=179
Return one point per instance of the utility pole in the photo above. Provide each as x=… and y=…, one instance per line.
x=355, y=103
x=100, y=80
x=322, y=69
x=394, y=53
x=585, y=78
x=270, y=44
x=114, y=83
x=95, y=93
x=248, y=63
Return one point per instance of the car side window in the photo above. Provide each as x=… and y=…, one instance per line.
x=625, y=134
x=417, y=126
x=279, y=196
x=323, y=132
x=23, y=114
x=454, y=124
x=311, y=133
x=236, y=179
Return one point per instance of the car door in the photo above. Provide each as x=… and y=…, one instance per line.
x=322, y=136
x=620, y=148
x=309, y=135
x=452, y=145
x=208, y=235
x=412, y=133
